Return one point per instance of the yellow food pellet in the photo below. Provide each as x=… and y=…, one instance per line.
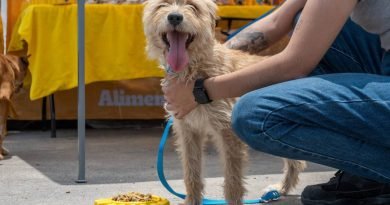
x=133, y=197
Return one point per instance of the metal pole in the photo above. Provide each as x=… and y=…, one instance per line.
x=4, y=17
x=81, y=89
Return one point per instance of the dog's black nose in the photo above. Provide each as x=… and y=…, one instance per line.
x=175, y=18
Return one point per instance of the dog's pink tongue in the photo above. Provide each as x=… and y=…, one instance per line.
x=177, y=57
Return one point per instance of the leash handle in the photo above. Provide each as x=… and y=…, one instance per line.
x=268, y=196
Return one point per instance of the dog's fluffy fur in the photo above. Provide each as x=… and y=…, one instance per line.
x=12, y=72
x=207, y=58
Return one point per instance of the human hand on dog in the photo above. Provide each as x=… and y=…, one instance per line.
x=179, y=98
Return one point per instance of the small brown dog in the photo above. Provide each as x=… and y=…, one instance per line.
x=180, y=34
x=12, y=72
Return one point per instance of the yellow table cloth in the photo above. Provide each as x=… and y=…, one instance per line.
x=115, y=44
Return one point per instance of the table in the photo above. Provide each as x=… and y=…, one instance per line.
x=114, y=43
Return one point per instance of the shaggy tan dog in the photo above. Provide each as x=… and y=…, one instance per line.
x=180, y=34
x=12, y=72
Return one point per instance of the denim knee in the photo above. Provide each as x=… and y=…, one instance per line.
x=262, y=116
x=248, y=118
x=239, y=116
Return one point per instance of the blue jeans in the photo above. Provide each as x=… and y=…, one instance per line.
x=339, y=116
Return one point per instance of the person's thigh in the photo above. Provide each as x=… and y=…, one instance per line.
x=339, y=120
x=353, y=51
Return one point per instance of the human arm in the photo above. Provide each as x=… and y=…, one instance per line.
x=268, y=30
x=319, y=24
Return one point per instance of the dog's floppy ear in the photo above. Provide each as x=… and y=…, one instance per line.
x=212, y=5
x=19, y=63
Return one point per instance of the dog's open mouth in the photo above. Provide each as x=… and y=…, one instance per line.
x=190, y=39
x=177, y=43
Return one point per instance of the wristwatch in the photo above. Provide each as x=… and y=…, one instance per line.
x=200, y=93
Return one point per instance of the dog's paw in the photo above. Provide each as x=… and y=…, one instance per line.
x=1, y=157
x=4, y=151
x=191, y=201
x=275, y=187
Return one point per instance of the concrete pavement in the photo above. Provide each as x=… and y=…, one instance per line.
x=42, y=170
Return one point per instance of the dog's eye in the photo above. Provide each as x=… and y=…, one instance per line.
x=161, y=6
x=193, y=7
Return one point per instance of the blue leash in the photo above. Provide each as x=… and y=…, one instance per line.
x=269, y=196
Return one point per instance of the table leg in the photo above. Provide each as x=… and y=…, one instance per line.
x=44, y=127
x=53, y=117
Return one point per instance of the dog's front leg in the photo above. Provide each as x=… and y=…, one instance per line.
x=190, y=148
x=3, y=126
x=234, y=155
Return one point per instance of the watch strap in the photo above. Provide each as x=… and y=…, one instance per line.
x=200, y=92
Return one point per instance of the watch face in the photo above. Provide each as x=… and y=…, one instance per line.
x=200, y=92
x=201, y=96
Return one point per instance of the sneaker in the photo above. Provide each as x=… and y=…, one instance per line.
x=347, y=189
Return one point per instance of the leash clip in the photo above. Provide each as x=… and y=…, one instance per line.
x=169, y=70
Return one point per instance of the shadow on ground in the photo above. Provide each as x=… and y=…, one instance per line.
x=118, y=156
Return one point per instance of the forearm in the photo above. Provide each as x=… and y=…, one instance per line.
x=273, y=70
x=263, y=33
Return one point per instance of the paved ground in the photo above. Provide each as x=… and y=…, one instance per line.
x=42, y=170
